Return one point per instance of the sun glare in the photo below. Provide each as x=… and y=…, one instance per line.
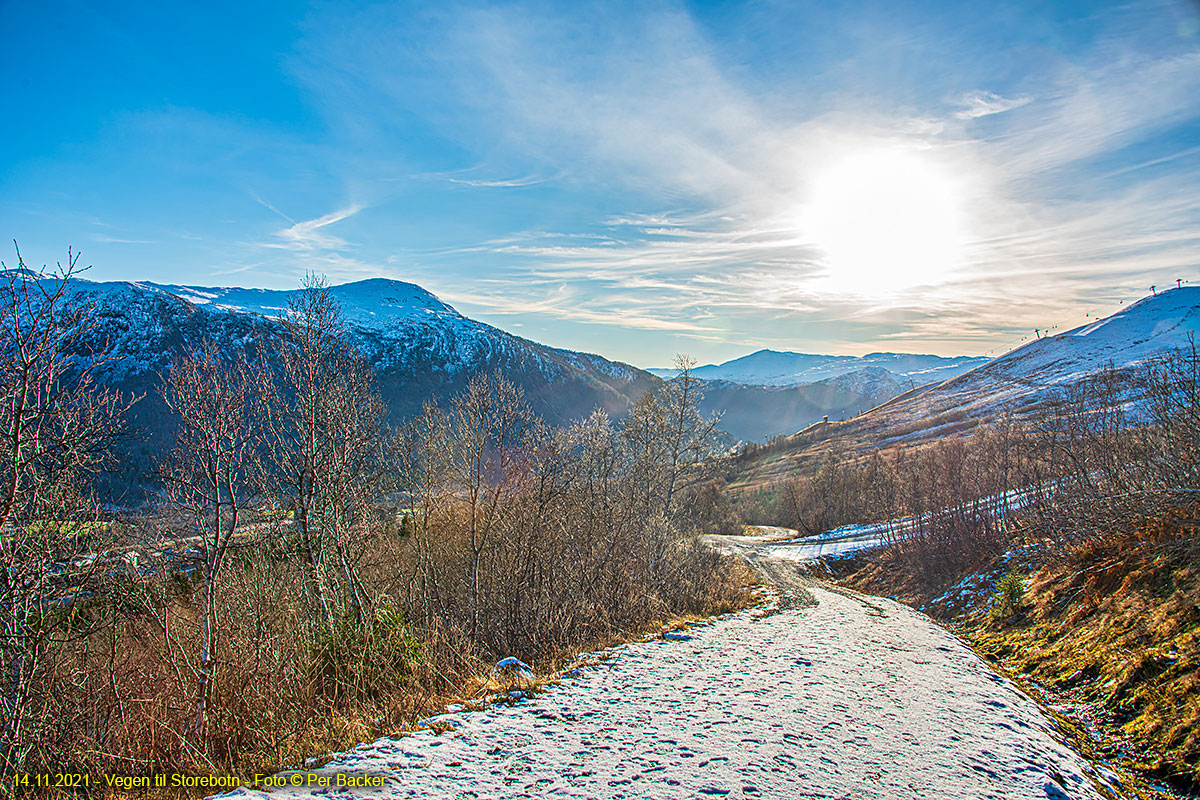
x=887, y=219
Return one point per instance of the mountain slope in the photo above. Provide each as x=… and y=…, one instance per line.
x=406, y=333
x=757, y=412
x=1024, y=381
x=420, y=348
x=1144, y=330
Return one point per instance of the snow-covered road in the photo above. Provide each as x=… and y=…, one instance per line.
x=828, y=694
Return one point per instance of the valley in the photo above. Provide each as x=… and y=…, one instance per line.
x=1028, y=385
x=503, y=522
x=685, y=400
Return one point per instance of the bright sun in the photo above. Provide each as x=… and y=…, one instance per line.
x=887, y=219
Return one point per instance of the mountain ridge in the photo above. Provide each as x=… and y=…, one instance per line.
x=786, y=368
x=418, y=347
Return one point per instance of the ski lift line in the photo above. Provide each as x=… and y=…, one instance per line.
x=1012, y=344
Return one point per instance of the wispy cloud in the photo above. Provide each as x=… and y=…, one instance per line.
x=984, y=104
x=748, y=166
x=310, y=235
x=642, y=166
x=106, y=239
x=498, y=183
x=1103, y=111
x=312, y=247
x=564, y=303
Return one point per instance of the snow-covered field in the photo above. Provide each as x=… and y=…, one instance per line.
x=824, y=695
x=849, y=538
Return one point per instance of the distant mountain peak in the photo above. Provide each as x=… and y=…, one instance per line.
x=782, y=368
x=370, y=303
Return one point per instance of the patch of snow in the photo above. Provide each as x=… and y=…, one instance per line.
x=515, y=664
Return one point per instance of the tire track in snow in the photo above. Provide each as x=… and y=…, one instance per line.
x=822, y=695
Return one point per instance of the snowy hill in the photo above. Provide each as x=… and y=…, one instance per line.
x=776, y=368
x=399, y=326
x=376, y=303
x=1026, y=377
x=1026, y=381
x=420, y=347
x=1144, y=330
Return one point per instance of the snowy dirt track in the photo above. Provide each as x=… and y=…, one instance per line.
x=827, y=694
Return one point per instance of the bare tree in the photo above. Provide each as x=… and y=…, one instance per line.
x=326, y=436
x=213, y=475
x=688, y=432
x=1172, y=406
x=487, y=422
x=420, y=455
x=56, y=432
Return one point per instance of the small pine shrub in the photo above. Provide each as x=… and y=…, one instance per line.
x=365, y=658
x=1010, y=591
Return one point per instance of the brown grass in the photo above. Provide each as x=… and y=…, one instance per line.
x=1111, y=628
x=1118, y=626
x=270, y=710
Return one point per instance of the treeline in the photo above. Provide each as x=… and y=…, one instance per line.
x=1114, y=447
x=312, y=576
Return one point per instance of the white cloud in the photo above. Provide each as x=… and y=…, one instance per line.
x=309, y=235
x=106, y=239
x=651, y=113
x=984, y=104
x=501, y=183
x=1103, y=110
x=314, y=248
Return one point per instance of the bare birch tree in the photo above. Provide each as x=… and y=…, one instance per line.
x=487, y=422
x=214, y=476
x=326, y=432
x=57, y=430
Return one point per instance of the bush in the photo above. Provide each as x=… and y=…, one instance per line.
x=1010, y=590
x=362, y=659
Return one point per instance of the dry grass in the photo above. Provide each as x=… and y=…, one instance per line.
x=1117, y=628
x=1111, y=628
x=271, y=709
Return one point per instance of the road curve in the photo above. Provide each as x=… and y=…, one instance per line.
x=825, y=694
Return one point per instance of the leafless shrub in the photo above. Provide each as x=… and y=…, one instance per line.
x=213, y=476
x=58, y=429
x=325, y=437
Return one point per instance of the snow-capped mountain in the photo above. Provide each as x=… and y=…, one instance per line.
x=403, y=330
x=777, y=368
x=772, y=392
x=399, y=326
x=420, y=347
x=1145, y=330
x=1024, y=379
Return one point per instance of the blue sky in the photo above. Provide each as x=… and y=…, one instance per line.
x=635, y=179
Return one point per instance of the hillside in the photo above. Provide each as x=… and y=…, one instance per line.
x=420, y=348
x=1025, y=381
